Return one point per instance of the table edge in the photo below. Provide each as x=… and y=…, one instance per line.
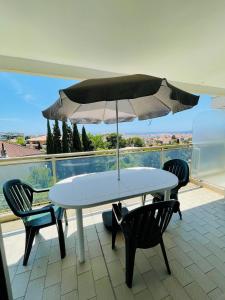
x=114, y=200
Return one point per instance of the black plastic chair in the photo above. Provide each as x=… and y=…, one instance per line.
x=143, y=228
x=19, y=197
x=179, y=168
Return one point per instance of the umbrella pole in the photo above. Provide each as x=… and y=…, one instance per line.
x=117, y=143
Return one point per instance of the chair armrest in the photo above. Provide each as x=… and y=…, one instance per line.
x=41, y=190
x=36, y=190
x=117, y=213
x=42, y=210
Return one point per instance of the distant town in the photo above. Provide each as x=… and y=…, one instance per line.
x=15, y=144
x=164, y=138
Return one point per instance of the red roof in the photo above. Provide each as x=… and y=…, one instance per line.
x=15, y=150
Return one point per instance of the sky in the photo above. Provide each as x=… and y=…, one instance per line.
x=23, y=97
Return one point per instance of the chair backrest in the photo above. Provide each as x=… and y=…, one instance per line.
x=18, y=195
x=179, y=168
x=146, y=224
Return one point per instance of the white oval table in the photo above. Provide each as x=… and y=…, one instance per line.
x=94, y=189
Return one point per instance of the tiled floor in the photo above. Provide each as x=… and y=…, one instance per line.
x=195, y=247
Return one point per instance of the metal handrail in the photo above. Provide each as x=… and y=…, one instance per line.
x=63, y=156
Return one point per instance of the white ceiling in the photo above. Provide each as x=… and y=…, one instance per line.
x=181, y=40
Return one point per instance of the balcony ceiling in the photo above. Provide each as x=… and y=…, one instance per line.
x=183, y=41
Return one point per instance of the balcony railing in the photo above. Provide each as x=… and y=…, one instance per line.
x=44, y=170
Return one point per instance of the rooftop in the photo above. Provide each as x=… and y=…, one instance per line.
x=40, y=138
x=15, y=150
x=195, y=248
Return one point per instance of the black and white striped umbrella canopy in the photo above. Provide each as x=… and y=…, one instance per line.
x=137, y=96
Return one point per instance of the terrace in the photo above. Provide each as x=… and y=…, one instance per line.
x=195, y=248
x=195, y=245
x=183, y=42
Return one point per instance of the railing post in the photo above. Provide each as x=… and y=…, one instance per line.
x=54, y=170
x=161, y=157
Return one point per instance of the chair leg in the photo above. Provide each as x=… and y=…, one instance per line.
x=130, y=256
x=165, y=256
x=30, y=233
x=61, y=239
x=65, y=217
x=27, y=232
x=114, y=230
x=180, y=214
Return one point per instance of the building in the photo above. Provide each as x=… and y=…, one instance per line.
x=10, y=135
x=36, y=142
x=15, y=150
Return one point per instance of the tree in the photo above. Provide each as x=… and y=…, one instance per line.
x=57, y=138
x=87, y=144
x=135, y=141
x=98, y=141
x=112, y=141
x=20, y=140
x=70, y=138
x=65, y=141
x=76, y=143
x=49, y=140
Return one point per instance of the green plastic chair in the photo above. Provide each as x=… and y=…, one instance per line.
x=19, y=197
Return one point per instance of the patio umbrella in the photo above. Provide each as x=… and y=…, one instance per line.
x=119, y=99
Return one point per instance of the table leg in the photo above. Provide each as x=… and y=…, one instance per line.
x=80, y=235
x=167, y=195
x=143, y=198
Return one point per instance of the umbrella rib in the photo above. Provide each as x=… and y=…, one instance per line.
x=76, y=109
x=157, y=99
x=132, y=107
x=164, y=103
x=103, y=117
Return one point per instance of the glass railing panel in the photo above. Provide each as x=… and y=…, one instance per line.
x=141, y=159
x=84, y=165
x=39, y=175
x=180, y=153
x=208, y=159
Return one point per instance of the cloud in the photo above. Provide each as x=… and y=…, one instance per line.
x=16, y=85
x=29, y=98
x=20, y=90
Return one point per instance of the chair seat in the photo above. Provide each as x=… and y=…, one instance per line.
x=43, y=219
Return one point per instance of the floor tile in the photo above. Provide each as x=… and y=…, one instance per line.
x=54, y=274
x=86, y=288
x=19, y=284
